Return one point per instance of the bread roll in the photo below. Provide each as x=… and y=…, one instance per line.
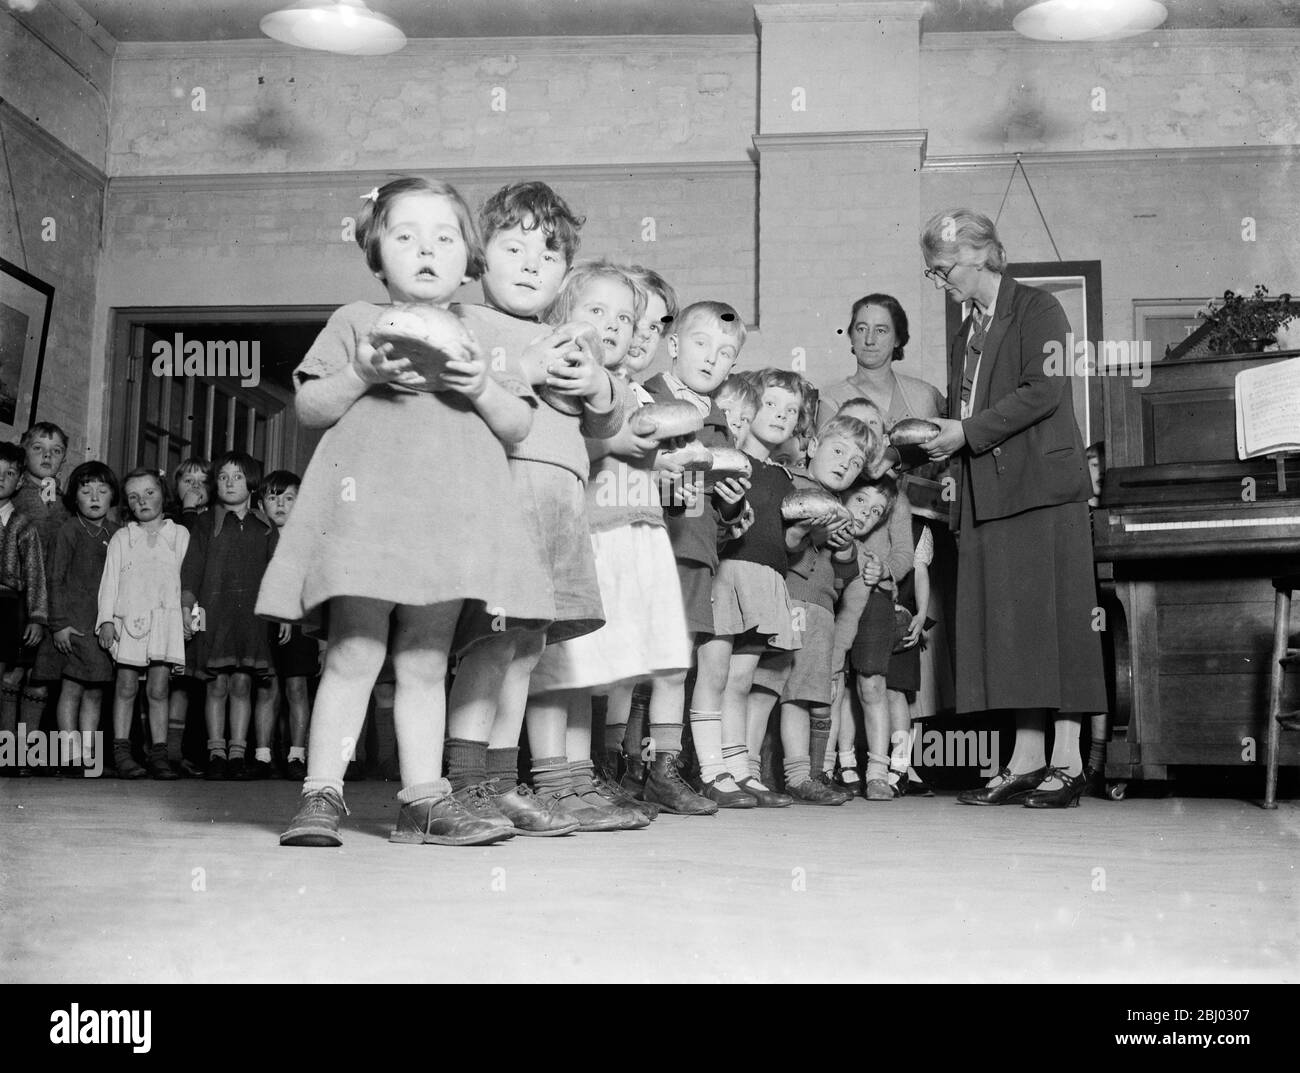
x=664, y=420
x=728, y=462
x=426, y=336
x=691, y=455
x=813, y=503
x=913, y=431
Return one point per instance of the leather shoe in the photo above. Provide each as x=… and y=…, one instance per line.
x=1010, y=789
x=530, y=815
x=727, y=798
x=766, y=798
x=813, y=792
x=1065, y=796
x=665, y=787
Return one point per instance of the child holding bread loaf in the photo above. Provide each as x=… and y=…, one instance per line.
x=820, y=566
x=644, y=634
x=704, y=343
x=407, y=400
x=752, y=611
x=530, y=239
x=656, y=706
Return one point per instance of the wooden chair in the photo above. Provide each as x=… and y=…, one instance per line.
x=1284, y=656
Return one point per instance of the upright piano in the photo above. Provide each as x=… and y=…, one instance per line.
x=1186, y=540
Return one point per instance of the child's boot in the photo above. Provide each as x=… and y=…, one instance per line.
x=124, y=763
x=665, y=787
x=158, y=766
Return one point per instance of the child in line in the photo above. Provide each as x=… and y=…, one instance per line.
x=140, y=621
x=192, y=491
x=645, y=628
x=295, y=655
x=886, y=555
x=223, y=569
x=739, y=400
x=71, y=653
x=824, y=560
x=530, y=237
x=751, y=606
x=704, y=343
x=657, y=705
x=40, y=497
x=360, y=546
x=24, y=598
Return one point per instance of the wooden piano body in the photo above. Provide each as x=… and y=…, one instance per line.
x=1186, y=541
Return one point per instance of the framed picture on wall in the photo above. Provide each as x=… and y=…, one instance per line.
x=1166, y=322
x=25, y=305
x=1077, y=286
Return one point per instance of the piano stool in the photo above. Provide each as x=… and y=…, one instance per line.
x=1284, y=656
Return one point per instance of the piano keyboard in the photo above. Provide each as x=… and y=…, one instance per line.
x=1210, y=523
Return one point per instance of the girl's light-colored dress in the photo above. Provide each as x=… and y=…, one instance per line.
x=409, y=500
x=140, y=594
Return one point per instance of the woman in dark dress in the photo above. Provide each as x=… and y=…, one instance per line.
x=1025, y=596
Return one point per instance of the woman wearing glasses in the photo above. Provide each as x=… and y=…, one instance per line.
x=1025, y=594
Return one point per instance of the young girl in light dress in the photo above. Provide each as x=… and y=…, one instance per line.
x=403, y=516
x=140, y=621
x=645, y=632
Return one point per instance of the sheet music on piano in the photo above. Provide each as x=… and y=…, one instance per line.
x=1268, y=409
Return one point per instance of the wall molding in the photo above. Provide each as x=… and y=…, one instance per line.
x=1280, y=37
x=1104, y=157
x=362, y=181
x=835, y=139
x=16, y=122
x=841, y=12
x=706, y=44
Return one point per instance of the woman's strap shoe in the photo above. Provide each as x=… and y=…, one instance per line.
x=727, y=798
x=1009, y=790
x=766, y=798
x=1065, y=796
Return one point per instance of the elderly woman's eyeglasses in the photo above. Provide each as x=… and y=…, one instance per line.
x=939, y=276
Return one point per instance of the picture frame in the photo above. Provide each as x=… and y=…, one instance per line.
x=25, y=307
x=1166, y=322
x=1077, y=286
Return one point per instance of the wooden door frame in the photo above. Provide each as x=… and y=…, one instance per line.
x=121, y=435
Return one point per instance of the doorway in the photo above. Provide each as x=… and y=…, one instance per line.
x=196, y=382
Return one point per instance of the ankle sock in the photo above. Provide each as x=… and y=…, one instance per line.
x=637, y=717
x=877, y=766
x=796, y=771
x=236, y=750
x=849, y=775
x=736, y=759
x=665, y=738
x=262, y=755
x=615, y=735
x=580, y=775
x=848, y=759
x=551, y=773
x=175, y=738
x=503, y=768
x=706, y=730
x=298, y=752
x=321, y=782
x=466, y=762
x=819, y=736
x=422, y=791
x=217, y=747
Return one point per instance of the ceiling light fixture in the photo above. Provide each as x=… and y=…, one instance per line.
x=347, y=27
x=1089, y=20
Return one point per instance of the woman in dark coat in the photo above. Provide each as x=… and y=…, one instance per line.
x=1025, y=635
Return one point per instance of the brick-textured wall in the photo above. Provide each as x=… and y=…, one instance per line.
x=435, y=104
x=1001, y=93
x=278, y=240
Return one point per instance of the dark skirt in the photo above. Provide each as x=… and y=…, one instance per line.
x=1025, y=612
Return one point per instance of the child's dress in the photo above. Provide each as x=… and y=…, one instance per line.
x=222, y=572
x=75, y=570
x=408, y=499
x=140, y=594
x=645, y=629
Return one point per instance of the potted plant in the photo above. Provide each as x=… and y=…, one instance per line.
x=1247, y=323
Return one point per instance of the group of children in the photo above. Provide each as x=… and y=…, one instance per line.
x=503, y=547
x=106, y=582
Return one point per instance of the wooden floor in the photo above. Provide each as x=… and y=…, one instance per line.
x=114, y=881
